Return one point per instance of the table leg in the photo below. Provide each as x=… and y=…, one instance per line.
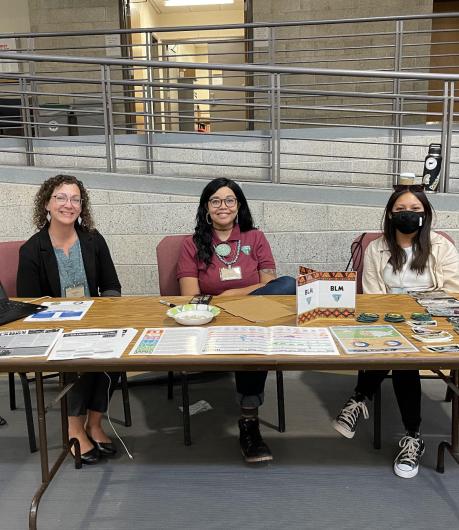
x=46, y=473
x=453, y=446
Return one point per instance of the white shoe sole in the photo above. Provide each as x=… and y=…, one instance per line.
x=405, y=474
x=257, y=459
x=345, y=432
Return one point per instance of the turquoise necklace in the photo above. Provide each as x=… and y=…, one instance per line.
x=224, y=249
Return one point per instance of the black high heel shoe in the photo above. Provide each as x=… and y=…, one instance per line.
x=105, y=448
x=89, y=458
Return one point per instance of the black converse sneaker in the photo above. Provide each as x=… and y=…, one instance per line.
x=346, y=421
x=253, y=447
x=406, y=463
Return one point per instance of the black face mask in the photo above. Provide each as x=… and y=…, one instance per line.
x=407, y=222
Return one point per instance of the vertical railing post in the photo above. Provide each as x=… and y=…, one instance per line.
x=149, y=107
x=26, y=116
x=397, y=104
x=110, y=152
x=275, y=128
x=446, y=134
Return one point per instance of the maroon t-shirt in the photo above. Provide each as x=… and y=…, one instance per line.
x=255, y=255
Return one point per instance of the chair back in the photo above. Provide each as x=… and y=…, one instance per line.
x=360, y=244
x=167, y=254
x=9, y=260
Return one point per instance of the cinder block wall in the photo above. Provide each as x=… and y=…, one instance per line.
x=317, y=235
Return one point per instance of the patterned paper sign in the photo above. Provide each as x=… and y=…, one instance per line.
x=324, y=295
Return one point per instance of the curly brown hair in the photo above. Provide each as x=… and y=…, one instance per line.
x=44, y=194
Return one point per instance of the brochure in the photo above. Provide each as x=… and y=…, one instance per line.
x=28, y=342
x=229, y=340
x=325, y=295
x=372, y=339
x=92, y=344
x=61, y=311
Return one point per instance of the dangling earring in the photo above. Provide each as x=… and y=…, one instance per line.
x=48, y=216
x=236, y=221
x=208, y=219
x=79, y=220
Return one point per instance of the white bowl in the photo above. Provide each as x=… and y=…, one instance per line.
x=193, y=314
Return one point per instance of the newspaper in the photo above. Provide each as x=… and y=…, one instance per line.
x=28, y=342
x=92, y=344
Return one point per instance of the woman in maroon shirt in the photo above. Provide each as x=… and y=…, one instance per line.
x=228, y=256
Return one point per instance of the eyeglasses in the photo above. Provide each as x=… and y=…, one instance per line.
x=409, y=187
x=230, y=202
x=62, y=198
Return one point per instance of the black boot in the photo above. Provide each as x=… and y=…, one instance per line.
x=253, y=447
x=2, y=421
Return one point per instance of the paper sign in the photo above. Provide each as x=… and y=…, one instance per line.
x=324, y=295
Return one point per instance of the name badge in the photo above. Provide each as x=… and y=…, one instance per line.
x=77, y=291
x=230, y=273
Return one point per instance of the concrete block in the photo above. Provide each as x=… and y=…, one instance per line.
x=99, y=196
x=166, y=219
x=133, y=249
x=125, y=220
x=352, y=218
x=16, y=226
x=132, y=278
x=124, y=197
x=152, y=281
x=17, y=195
x=447, y=220
x=288, y=217
x=283, y=246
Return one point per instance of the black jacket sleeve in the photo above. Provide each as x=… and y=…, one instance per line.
x=28, y=277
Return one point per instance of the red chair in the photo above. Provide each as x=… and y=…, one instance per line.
x=167, y=253
x=9, y=259
x=358, y=248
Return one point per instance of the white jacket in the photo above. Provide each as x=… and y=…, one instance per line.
x=443, y=264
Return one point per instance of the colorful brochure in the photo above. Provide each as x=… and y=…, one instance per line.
x=61, y=311
x=325, y=295
x=372, y=339
x=28, y=342
x=229, y=340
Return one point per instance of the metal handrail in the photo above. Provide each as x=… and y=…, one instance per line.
x=268, y=103
x=269, y=69
x=219, y=27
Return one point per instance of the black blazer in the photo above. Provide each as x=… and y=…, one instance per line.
x=38, y=273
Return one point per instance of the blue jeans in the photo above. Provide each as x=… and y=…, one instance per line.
x=250, y=386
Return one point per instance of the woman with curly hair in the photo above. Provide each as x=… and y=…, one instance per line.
x=68, y=258
x=228, y=256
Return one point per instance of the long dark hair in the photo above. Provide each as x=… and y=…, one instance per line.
x=203, y=231
x=421, y=242
x=45, y=192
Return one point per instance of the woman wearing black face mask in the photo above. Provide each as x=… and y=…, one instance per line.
x=408, y=256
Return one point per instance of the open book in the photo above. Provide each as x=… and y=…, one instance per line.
x=225, y=340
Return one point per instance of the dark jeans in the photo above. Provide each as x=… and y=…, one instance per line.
x=89, y=392
x=250, y=386
x=407, y=388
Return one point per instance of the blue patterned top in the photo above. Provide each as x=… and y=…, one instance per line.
x=71, y=268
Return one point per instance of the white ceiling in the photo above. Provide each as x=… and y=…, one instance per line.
x=159, y=7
